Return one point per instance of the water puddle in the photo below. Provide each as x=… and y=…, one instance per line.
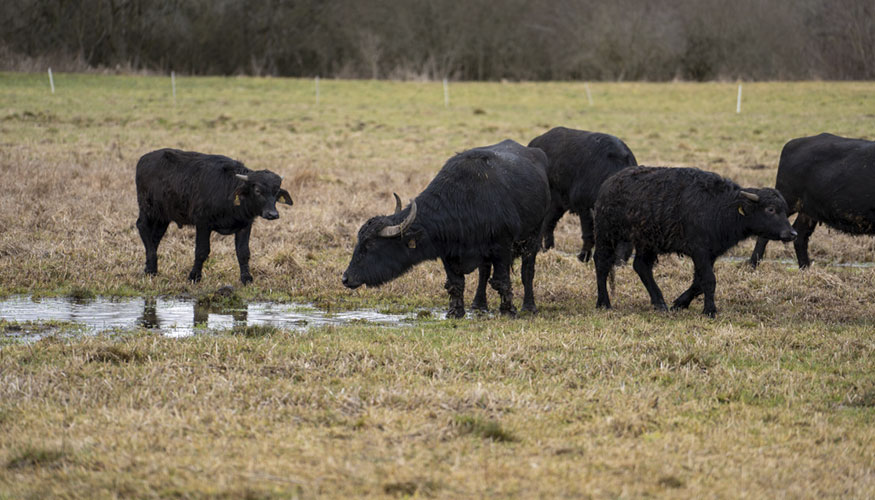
x=793, y=263
x=172, y=317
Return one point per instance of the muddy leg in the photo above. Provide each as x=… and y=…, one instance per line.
x=501, y=283
x=151, y=232
x=455, y=286
x=480, y=302
x=804, y=226
x=604, y=262
x=643, y=265
x=241, y=244
x=586, y=234
x=201, y=252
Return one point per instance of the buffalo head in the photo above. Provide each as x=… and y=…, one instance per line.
x=258, y=193
x=388, y=246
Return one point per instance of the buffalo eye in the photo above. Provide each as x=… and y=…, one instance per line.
x=257, y=191
x=770, y=210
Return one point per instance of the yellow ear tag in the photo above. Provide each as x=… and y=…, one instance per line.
x=411, y=244
x=741, y=210
x=236, y=200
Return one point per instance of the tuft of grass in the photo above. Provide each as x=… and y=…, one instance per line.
x=670, y=482
x=483, y=428
x=114, y=354
x=865, y=400
x=32, y=456
x=82, y=294
x=224, y=299
x=255, y=331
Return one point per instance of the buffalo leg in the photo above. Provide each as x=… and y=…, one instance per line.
x=241, y=244
x=643, y=265
x=604, y=263
x=586, y=234
x=683, y=301
x=151, y=232
x=480, y=303
x=758, y=252
x=500, y=281
x=704, y=274
x=201, y=252
x=804, y=226
x=455, y=286
x=554, y=213
x=527, y=273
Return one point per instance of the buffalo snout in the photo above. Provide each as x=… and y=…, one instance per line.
x=270, y=214
x=788, y=236
x=348, y=282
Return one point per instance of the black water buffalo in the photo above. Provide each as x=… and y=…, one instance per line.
x=484, y=207
x=210, y=192
x=658, y=210
x=578, y=162
x=827, y=179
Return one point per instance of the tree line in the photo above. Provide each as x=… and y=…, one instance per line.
x=466, y=40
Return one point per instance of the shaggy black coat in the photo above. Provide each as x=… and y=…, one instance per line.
x=826, y=179
x=482, y=209
x=658, y=210
x=204, y=191
x=578, y=162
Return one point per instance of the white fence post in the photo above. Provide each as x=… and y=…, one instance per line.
x=588, y=93
x=51, y=81
x=173, y=84
x=317, y=90
x=446, y=94
x=738, y=103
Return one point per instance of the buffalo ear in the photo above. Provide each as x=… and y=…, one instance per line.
x=283, y=196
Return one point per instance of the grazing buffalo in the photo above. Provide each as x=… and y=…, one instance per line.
x=578, y=162
x=827, y=179
x=210, y=192
x=658, y=210
x=483, y=208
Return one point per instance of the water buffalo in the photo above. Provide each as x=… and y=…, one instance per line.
x=578, y=162
x=826, y=179
x=210, y=192
x=658, y=210
x=482, y=209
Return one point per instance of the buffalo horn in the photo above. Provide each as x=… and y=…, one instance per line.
x=244, y=178
x=390, y=231
x=398, y=206
x=750, y=196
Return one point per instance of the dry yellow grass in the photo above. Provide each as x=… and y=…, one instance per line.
x=774, y=398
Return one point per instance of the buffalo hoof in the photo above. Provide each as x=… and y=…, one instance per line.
x=584, y=255
x=480, y=306
x=677, y=306
x=151, y=272
x=660, y=307
x=548, y=242
x=456, y=312
x=510, y=312
x=712, y=313
x=194, y=277
x=530, y=308
x=246, y=279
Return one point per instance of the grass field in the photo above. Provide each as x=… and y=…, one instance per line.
x=774, y=398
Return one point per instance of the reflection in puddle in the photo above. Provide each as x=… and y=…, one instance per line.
x=178, y=317
x=793, y=263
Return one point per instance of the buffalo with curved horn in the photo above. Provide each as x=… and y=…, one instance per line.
x=483, y=209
